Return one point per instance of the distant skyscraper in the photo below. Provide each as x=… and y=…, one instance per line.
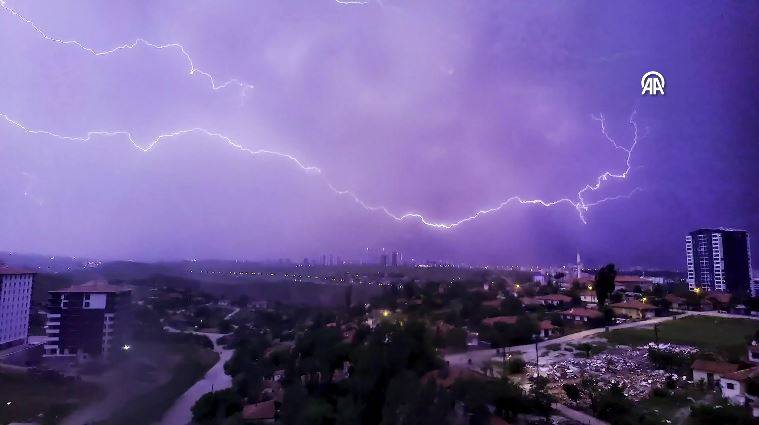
x=579, y=265
x=395, y=259
x=718, y=260
x=383, y=260
x=324, y=259
x=15, y=297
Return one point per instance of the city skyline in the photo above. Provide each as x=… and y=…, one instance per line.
x=346, y=102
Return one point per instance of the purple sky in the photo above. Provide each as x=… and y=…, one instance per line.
x=441, y=108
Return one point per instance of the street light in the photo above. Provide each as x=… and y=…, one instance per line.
x=126, y=347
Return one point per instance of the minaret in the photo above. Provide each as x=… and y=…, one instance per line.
x=579, y=264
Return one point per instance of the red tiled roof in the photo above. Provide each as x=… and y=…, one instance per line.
x=633, y=304
x=94, y=286
x=554, y=297
x=674, y=299
x=742, y=375
x=259, y=411
x=721, y=297
x=582, y=312
x=492, y=303
x=528, y=301
x=14, y=271
x=714, y=367
x=546, y=325
x=490, y=321
x=628, y=278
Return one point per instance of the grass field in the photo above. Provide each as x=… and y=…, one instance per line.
x=726, y=337
x=43, y=399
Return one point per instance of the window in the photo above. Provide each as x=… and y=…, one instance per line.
x=730, y=386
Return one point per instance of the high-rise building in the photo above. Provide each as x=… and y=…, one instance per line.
x=15, y=297
x=87, y=321
x=383, y=260
x=395, y=259
x=578, y=266
x=718, y=260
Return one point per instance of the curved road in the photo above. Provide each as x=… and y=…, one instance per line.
x=215, y=379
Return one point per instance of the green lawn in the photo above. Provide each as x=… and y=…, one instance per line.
x=25, y=397
x=725, y=337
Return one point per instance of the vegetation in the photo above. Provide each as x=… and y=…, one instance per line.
x=25, y=396
x=605, y=283
x=724, y=337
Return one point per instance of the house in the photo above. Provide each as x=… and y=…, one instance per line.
x=529, y=302
x=632, y=283
x=553, y=299
x=260, y=413
x=491, y=321
x=733, y=385
x=634, y=309
x=711, y=371
x=676, y=303
x=589, y=298
x=581, y=314
x=753, y=353
x=546, y=329
x=720, y=300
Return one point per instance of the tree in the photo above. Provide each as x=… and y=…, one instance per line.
x=540, y=398
x=214, y=407
x=573, y=392
x=605, y=283
x=586, y=348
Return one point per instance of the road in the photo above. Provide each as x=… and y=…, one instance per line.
x=480, y=357
x=180, y=413
x=215, y=379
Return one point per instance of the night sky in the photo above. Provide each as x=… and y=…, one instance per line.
x=440, y=108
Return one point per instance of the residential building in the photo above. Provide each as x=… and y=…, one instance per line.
x=719, y=260
x=264, y=412
x=546, y=329
x=676, y=303
x=15, y=297
x=581, y=314
x=88, y=321
x=589, y=297
x=711, y=371
x=733, y=385
x=633, y=309
x=632, y=283
x=753, y=353
x=553, y=299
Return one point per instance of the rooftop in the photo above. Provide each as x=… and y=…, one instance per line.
x=96, y=286
x=633, y=304
x=714, y=367
x=259, y=411
x=554, y=297
x=583, y=312
x=5, y=270
x=742, y=375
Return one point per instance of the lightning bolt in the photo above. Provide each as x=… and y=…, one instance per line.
x=578, y=202
x=192, y=70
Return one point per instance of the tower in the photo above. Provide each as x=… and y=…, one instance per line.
x=579, y=264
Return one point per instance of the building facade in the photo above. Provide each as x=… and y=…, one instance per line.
x=87, y=321
x=718, y=260
x=15, y=298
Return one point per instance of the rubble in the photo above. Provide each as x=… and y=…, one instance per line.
x=629, y=367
